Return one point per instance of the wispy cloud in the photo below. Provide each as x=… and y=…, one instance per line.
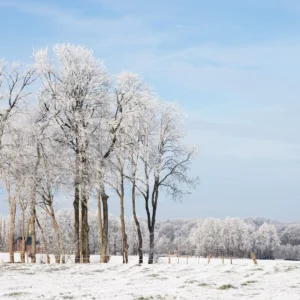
x=125, y=29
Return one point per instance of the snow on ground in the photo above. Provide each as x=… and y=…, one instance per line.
x=276, y=280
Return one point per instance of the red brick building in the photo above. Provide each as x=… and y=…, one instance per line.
x=28, y=245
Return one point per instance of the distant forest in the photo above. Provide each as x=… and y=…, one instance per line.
x=232, y=237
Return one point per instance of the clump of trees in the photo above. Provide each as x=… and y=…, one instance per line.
x=231, y=237
x=69, y=127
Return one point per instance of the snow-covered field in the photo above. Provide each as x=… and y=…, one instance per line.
x=241, y=280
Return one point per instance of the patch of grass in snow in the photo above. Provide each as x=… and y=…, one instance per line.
x=157, y=297
x=248, y=282
x=55, y=269
x=29, y=273
x=191, y=281
x=226, y=287
x=157, y=276
x=16, y=294
x=98, y=271
x=64, y=296
x=153, y=275
x=146, y=270
x=291, y=268
x=15, y=268
x=114, y=268
x=203, y=284
x=23, y=269
x=87, y=296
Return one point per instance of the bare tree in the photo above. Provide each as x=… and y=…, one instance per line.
x=134, y=165
x=166, y=161
x=117, y=183
x=15, y=88
x=12, y=203
x=126, y=97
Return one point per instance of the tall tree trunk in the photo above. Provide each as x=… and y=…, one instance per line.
x=12, y=210
x=33, y=235
x=105, y=228
x=33, y=206
x=12, y=213
x=84, y=227
x=100, y=218
x=24, y=235
x=76, y=209
x=151, y=249
x=121, y=195
x=59, y=251
x=44, y=242
x=151, y=224
x=115, y=247
x=23, y=245
x=137, y=223
x=123, y=230
x=84, y=211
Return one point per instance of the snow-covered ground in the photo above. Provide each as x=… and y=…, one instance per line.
x=196, y=280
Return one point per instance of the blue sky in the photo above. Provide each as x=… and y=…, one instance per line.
x=233, y=65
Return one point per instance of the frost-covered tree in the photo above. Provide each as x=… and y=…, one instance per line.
x=166, y=160
x=16, y=82
x=74, y=88
x=237, y=237
x=291, y=235
x=267, y=240
x=129, y=96
x=17, y=171
x=210, y=240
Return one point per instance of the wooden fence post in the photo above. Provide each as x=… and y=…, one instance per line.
x=223, y=260
x=254, y=258
x=169, y=259
x=209, y=258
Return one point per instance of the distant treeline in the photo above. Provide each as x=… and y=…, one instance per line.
x=231, y=237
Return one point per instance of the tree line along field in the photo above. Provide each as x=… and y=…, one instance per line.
x=231, y=237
